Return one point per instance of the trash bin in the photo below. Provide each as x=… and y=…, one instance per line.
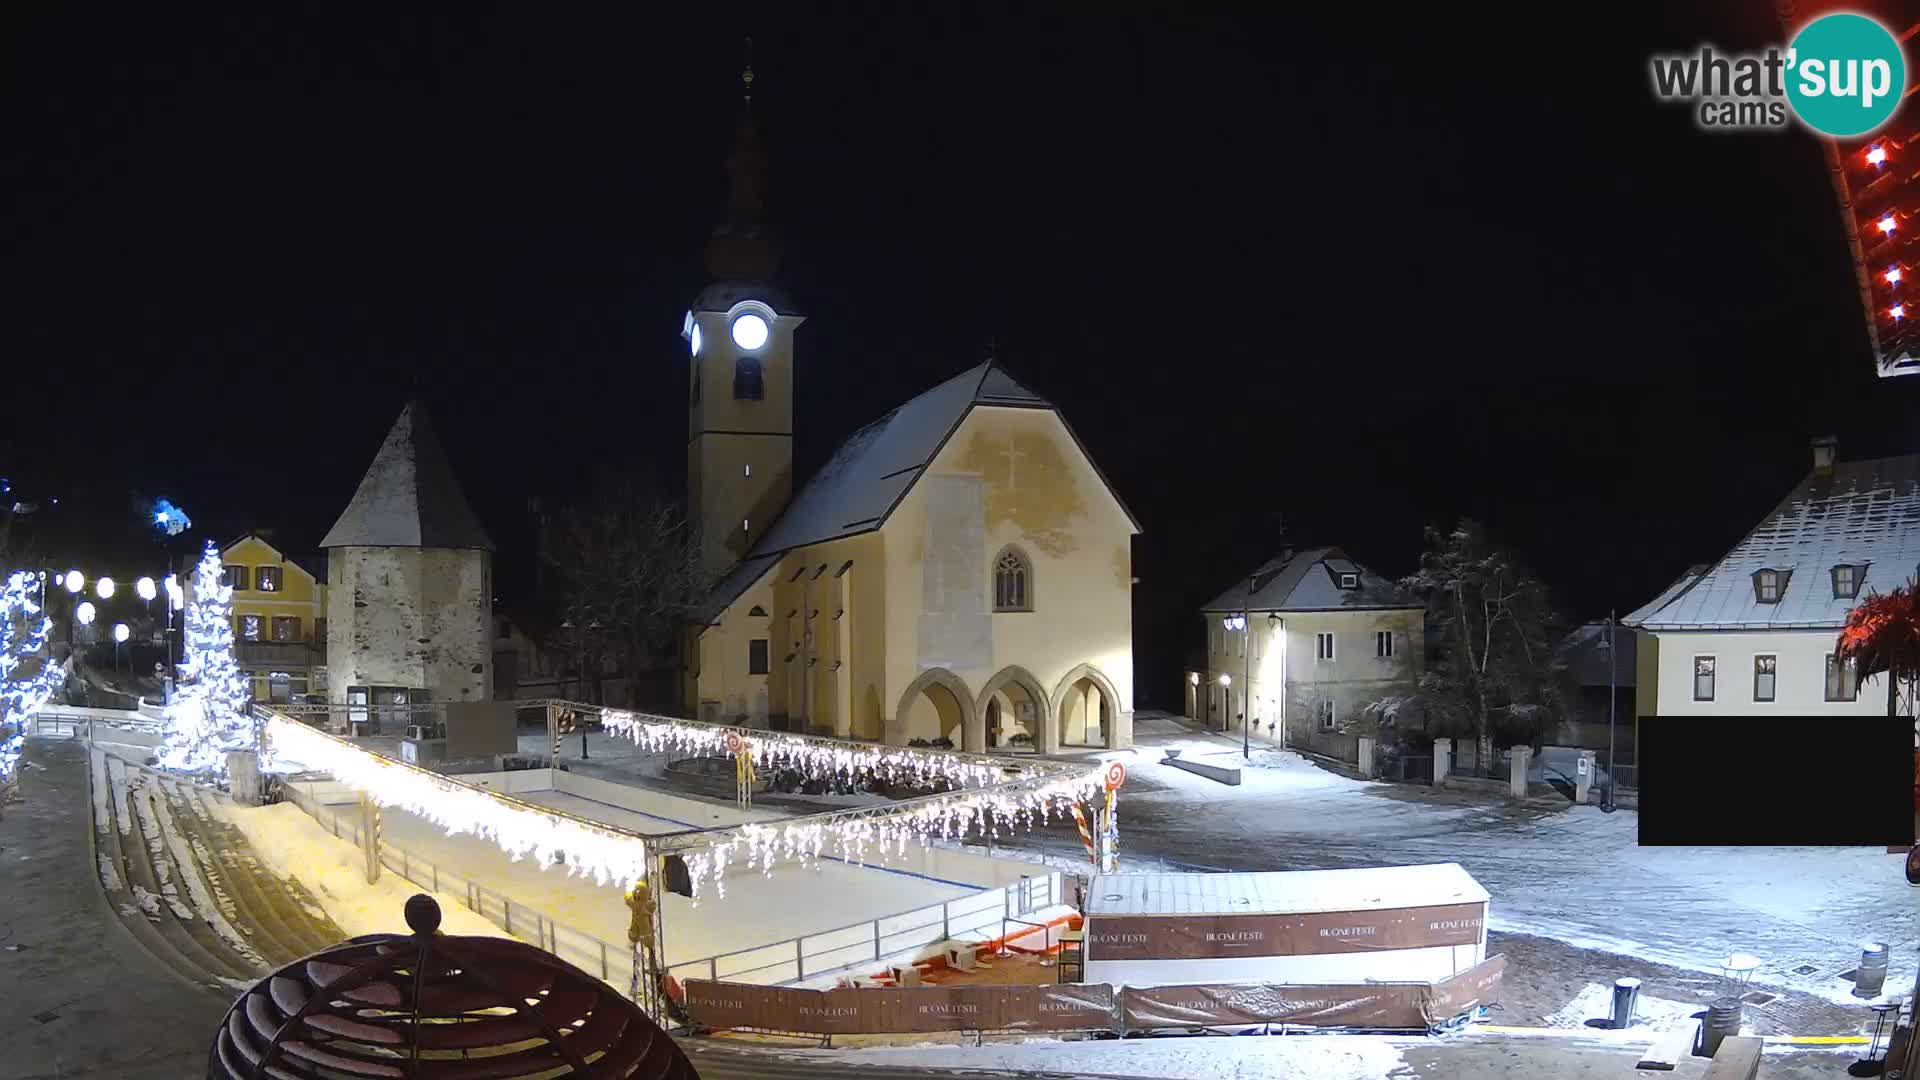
x=1723, y=1019
x=1872, y=976
x=1626, y=994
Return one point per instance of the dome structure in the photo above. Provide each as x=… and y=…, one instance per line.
x=426, y=1004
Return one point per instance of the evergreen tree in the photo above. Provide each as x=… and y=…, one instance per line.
x=208, y=715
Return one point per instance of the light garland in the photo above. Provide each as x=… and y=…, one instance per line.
x=818, y=759
x=606, y=855
x=24, y=630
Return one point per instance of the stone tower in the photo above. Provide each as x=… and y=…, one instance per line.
x=739, y=332
x=410, y=580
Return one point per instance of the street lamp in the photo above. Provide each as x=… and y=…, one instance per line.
x=145, y=588
x=74, y=581
x=1613, y=704
x=120, y=635
x=104, y=588
x=84, y=613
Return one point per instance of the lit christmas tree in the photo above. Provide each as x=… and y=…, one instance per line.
x=208, y=716
x=28, y=675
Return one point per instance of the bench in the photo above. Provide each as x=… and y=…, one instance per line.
x=1737, y=1059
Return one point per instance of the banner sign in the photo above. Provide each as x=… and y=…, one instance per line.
x=1202, y=937
x=1088, y=1007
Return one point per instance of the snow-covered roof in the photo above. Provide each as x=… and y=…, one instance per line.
x=1585, y=653
x=1864, y=514
x=1310, y=581
x=858, y=487
x=1680, y=584
x=1283, y=892
x=409, y=497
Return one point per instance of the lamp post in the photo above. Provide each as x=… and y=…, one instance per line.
x=1226, y=696
x=1613, y=702
x=1246, y=692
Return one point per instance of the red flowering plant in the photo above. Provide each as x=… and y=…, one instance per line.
x=1883, y=634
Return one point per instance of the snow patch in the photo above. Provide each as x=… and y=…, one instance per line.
x=122, y=814
x=109, y=877
x=149, y=902
x=1651, y=1015
x=1196, y=1057
x=195, y=883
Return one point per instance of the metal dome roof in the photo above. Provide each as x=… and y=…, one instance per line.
x=428, y=1004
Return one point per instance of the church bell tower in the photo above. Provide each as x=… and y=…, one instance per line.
x=739, y=333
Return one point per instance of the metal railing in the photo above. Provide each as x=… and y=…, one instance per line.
x=613, y=963
x=806, y=956
x=1337, y=745
x=983, y=916
x=74, y=723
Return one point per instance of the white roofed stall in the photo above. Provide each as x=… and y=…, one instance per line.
x=1390, y=923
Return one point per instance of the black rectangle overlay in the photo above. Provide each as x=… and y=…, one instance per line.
x=1775, y=781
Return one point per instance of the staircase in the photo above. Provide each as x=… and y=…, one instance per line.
x=186, y=884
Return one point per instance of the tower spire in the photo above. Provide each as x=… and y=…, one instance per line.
x=744, y=247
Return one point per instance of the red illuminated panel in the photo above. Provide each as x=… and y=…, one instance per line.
x=1877, y=178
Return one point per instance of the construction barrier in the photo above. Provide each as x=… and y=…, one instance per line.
x=1090, y=1006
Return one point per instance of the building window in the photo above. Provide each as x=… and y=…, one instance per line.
x=286, y=628
x=1703, y=678
x=319, y=680
x=1324, y=715
x=1768, y=585
x=747, y=381
x=280, y=687
x=251, y=628
x=1764, y=670
x=1349, y=581
x=1846, y=582
x=320, y=630
x=267, y=579
x=1843, y=680
x=757, y=656
x=234, y=576
x=1012, y=581
x=1323, y=646
x=1383, y=644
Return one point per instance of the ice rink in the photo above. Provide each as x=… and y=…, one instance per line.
x=756, y=910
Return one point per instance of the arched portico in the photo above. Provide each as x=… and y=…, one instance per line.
x=1000, y=701
x=1085, y=703
x=936, y=705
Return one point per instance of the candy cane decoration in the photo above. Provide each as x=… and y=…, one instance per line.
x=1086, y=834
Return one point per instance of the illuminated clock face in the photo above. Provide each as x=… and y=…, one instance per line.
x=750, y=331
x=695, y=338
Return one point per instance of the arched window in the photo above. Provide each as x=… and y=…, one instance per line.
x=1012, y=581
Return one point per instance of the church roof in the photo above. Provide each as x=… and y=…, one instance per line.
x=1309, y=581
x=858, y=487
x=409, y=497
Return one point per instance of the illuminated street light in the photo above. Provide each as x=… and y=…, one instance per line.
x=74, y=581
x=1226, y=680
x=120, y=632
x=105, y=588
x=145, y=588
x=84, y=613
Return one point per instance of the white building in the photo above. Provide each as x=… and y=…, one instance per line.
x=1754, y=633
x=1313, y=636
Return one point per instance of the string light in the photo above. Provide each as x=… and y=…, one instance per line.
x=1893, y=275
x=1877, y=155
x=84, y=613
x=104, y=588
x=145, y=588
x=1886, y=224
x=1898, y=311
x=74, y=581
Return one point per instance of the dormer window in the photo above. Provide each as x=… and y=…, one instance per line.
x=1349, y=581
x=1846, y=581
x=1769, y=586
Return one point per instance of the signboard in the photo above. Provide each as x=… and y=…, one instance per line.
x=1200, y=937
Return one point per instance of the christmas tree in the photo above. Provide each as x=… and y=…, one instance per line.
x=28, y=675
x=208, y=715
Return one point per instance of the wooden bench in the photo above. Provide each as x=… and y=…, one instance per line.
x=1737, y=1059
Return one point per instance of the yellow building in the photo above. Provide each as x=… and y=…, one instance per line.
x=279, y=619
x=958, y=570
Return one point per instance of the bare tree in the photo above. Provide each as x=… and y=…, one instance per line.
x=1494, y=627
x=624, y=559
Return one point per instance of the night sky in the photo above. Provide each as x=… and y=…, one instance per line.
x=1363, y=269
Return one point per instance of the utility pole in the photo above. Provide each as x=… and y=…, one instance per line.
x=1613, y=703
x=1246, y=694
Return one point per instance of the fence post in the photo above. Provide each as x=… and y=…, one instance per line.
x=435, y=867
x=876, y=932
x=946, y=927
x=1442, y=761
x=800, y=955
x=603, y=961
x=508, y=901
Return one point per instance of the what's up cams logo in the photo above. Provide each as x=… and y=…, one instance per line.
x=1843, y=75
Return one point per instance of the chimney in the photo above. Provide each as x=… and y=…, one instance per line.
x=1825, y=449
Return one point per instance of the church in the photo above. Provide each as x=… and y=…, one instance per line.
x=958, y=571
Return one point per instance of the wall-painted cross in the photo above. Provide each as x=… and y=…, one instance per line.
x=1012, y=455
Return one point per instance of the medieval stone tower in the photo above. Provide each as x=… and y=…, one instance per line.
x=740, y=400
x=410, y=581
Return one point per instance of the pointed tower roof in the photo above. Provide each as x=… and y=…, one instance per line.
x=745, y=248
x=409, y=497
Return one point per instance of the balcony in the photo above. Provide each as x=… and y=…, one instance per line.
x=284, y=655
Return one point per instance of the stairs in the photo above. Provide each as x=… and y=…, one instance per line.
x=187, y=887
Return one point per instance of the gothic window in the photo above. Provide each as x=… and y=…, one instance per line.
x=747, y=384
x=1012, y=581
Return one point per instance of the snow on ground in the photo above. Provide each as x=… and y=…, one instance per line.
x=1197, y=1057
x=109, y=877
x=332, y=869
x=1651, y=1015
x=148, y=794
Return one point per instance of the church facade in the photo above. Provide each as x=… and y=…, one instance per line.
x=959, y=570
